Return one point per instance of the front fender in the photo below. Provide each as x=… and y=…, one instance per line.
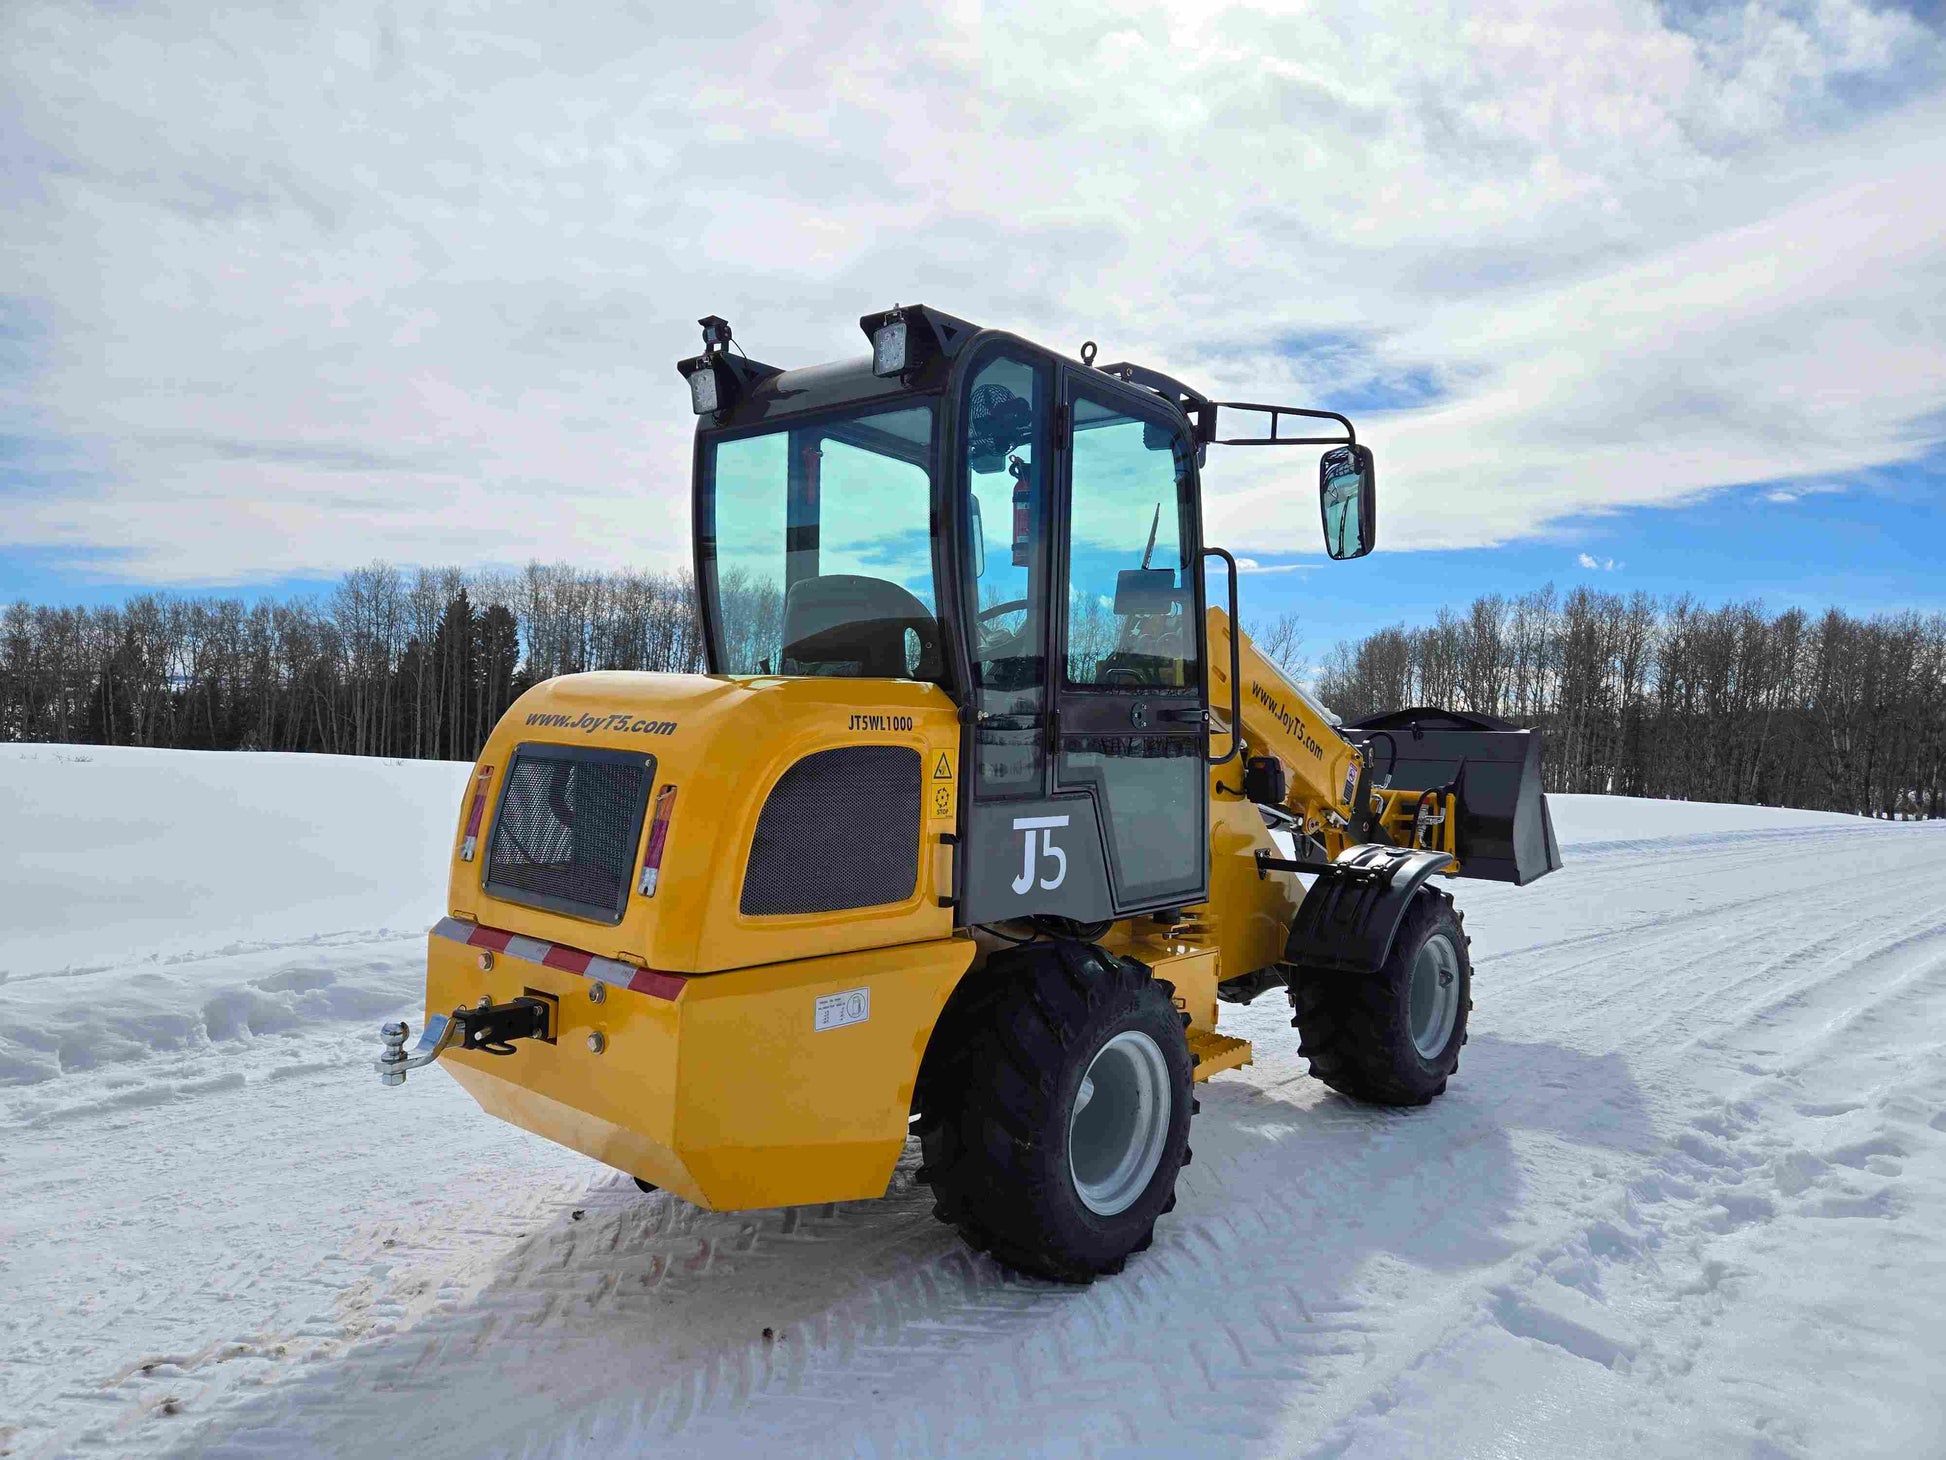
x=1352, y=913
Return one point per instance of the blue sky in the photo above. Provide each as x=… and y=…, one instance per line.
x=1655, y=286
x=1874, y=547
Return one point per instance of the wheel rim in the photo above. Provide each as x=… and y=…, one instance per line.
x=1120, y=1123
x=1434, y=996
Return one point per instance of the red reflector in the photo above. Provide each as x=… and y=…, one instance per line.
x=665, y=805
x=471, y=839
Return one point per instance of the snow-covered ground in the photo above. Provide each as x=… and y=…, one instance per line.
x=1687, y=1196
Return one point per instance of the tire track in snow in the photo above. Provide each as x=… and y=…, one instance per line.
x=1323, y=1252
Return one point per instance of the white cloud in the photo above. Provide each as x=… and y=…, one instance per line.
x=287, y=295
x=1598, y=565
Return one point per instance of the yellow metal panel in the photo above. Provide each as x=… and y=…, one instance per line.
x=1248, y=916
x=729, y=1094
x=1215, y=1052
x=1280, y=720
x=1189, y=962
x=724, y=742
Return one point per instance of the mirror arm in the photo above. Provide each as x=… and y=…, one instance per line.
x=1236, y=666
x=1206, y=423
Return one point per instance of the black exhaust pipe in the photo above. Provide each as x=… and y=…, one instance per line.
x=1504, y=832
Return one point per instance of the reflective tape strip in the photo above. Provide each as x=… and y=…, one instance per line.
x=656, y=985
x=568, y=960
x=648, y=981
x=531, y=949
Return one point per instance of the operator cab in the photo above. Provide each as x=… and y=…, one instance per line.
x=1020, y=528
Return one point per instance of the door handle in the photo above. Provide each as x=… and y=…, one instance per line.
x=1197, y=716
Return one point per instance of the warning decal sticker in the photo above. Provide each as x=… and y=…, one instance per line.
x=944, y=770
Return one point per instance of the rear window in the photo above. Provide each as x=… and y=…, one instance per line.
x=569, y=823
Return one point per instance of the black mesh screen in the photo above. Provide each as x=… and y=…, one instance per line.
x=841, y=829
x=567, y=829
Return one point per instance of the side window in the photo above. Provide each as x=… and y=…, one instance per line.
x=1130, y=595
x=1006, y=572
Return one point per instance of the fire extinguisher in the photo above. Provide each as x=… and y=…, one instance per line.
x=1023, y=511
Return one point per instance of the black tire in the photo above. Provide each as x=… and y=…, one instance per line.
x=1357, y=1029
x=999, y=1097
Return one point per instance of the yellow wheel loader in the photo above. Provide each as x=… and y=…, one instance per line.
x=976, y=821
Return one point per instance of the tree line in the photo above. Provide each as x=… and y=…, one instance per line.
x=390, y=664
x=1640, y=696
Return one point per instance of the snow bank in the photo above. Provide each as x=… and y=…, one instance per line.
x=156, y=901
x=115, y=854
x=1598, y=820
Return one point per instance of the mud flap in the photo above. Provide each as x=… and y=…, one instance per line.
x=1352, y=913
x=1504, y=832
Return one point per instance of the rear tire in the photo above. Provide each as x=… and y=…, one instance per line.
x=1055, y=1115
x=1392, y=1037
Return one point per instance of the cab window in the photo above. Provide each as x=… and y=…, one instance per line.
x=817, y=548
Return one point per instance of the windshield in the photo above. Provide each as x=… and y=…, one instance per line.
x=816, y=547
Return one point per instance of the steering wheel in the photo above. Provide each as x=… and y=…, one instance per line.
x=994, y=638
x=1015, y=606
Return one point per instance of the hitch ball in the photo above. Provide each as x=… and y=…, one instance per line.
x=391, y=1064
x=393, y=1061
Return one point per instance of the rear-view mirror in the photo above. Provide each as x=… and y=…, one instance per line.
x=1348, y=499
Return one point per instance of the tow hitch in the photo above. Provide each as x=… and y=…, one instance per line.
x=489, y=1028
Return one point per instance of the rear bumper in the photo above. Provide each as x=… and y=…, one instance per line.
x=732, y=1090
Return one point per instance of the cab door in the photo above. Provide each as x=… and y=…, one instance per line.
x=1129, y=692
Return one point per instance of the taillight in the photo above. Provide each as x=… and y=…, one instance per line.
x=471, y=838
x=665, y=805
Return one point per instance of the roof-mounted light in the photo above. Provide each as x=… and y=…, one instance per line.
x=908, y=338
x=706, y=392
x=891, y=345
x=712, y=385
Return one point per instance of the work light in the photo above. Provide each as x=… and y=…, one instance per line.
x=889, y=348
x=709, y=392
x=703, y=394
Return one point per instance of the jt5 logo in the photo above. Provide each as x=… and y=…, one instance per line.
x=1027, y=826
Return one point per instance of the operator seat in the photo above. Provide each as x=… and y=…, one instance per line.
x=848, y=624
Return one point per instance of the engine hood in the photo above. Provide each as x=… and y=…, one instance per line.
x=722, y=742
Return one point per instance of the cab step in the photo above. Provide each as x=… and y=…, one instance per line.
x=1215, y=1052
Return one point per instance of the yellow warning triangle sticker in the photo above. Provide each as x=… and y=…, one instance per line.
x=944, y=770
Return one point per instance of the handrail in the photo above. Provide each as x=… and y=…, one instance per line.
x=1236, y=665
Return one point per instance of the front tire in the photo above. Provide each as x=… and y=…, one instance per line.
x=1392, y=1037
x=1056, y=1116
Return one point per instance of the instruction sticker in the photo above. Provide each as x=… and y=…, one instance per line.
x=835, y=1011
x=944, y=770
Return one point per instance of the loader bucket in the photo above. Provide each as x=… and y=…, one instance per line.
x=1504, y=832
